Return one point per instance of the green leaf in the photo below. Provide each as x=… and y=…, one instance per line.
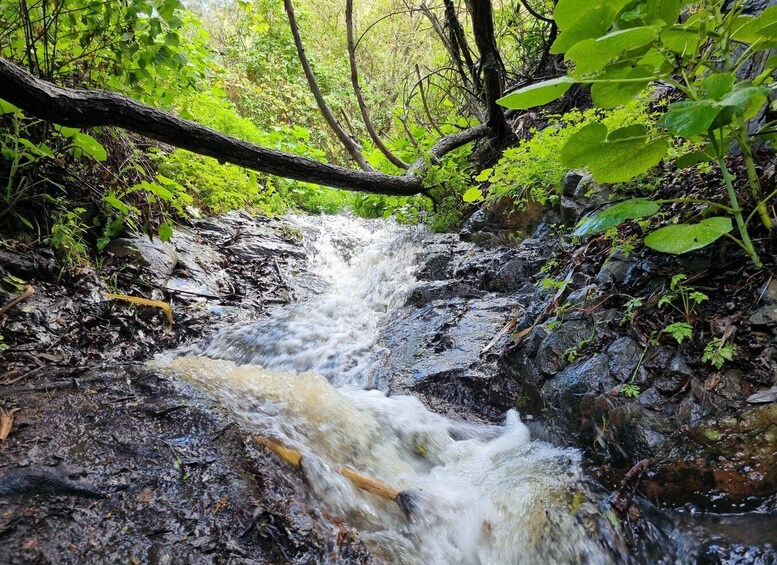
x=593, y=55
x=611, y=94
x=474, y=194
x=690, y=118
x=484, y=175
x=576, y=151
x=718, y=85
x=667, y=11
x=575, y=27
x=90, y=146
x=749, y=29
x=115, y=203
x=745, y=99
x=682, y=238
x=7, y=108
x=680, y=40
x=165, y=231
x=537, y=94
x=614, y=215
x=692, y=158
x=627, y=132
x=611, y=160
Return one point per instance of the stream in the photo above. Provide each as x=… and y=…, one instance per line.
x=469, y=492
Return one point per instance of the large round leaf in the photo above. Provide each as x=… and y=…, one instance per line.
x=691, y=118
x=682, y=238
x=617, y=214
x=592, y=55
x=611, y=160
x=537, y=94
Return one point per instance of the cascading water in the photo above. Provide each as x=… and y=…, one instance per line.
x=470, y=493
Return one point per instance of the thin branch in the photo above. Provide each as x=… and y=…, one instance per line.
x=345, y=139
x=357, y=89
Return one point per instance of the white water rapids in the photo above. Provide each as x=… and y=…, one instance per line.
x=473, y=493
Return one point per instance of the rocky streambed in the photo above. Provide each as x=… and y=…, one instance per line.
x=109, y=460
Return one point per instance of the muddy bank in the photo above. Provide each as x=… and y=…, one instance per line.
x=106, y=462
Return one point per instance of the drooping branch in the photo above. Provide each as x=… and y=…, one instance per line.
x=97, y=108
x=357, y=89
x=345, y=139
x=491, y=65
x=459, y=41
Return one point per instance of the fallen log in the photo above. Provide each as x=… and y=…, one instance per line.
x=96, y=108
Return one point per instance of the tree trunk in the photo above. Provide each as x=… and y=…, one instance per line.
x=342, y=135
x=357, y=89
x=491, y=65
x=95, y=108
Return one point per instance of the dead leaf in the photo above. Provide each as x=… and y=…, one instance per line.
x=6, y=423
x=763, y=396
x=712, y=381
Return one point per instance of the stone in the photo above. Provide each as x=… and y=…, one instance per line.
x=571, y=181
x=160, y=257
x=624, y=355
x=552, y=354
x=510, y=277
x=583, y=377
x=615, y=269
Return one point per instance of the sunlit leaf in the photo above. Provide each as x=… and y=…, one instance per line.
x=628, y=210
x=682, y=238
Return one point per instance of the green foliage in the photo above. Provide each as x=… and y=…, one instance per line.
x=630, y=390
x=680, y=331
x=619, y=47
x=533, y=170
x=628, y=210
x=717, y=352
x=67, y=238
x=682, y=238
x=688, y=297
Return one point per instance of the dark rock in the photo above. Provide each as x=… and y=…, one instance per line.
x=160, y=257
x=581, y=378
x=624, y=355
x=615, y=269
x=552, y=354
x=476, y=222
x=441, y=290
x=571, y=181
x=30, y=265
x=571, y=211
x=510, y=277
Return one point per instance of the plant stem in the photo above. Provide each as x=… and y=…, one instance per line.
x=736, y=208
x=696, y=201
x=752, y=175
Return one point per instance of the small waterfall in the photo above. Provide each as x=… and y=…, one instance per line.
x=469, y=493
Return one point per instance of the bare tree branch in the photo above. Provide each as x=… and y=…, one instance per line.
x=357, y=89
x=345, y=139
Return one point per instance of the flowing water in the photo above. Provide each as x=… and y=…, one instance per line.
x=469, y=492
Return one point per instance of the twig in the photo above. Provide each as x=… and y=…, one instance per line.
x=29, y=291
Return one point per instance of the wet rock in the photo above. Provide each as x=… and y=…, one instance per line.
x=555, y=348
x=441, y=290
x=731, y=456
x=29, y=265
x=511, y=277
x=476, y=222
x=582, y=378
x=636, y=431
x=160, y=257
x=624, y=355
x=572, y=181
x=615, y=269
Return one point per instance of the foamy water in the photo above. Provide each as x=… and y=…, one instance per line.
x=472, y=493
